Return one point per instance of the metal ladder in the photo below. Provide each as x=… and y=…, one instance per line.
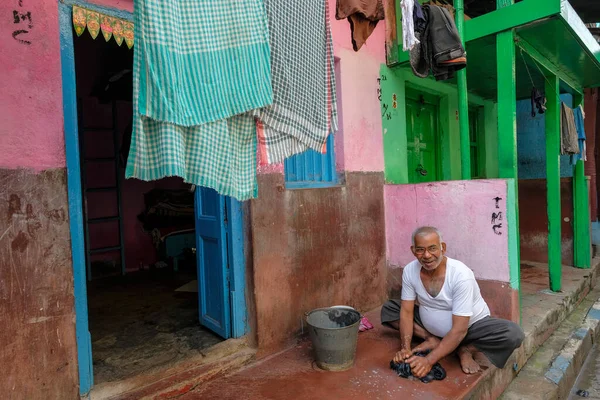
x=116, y=188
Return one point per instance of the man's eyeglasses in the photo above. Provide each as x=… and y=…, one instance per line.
x=431, y=249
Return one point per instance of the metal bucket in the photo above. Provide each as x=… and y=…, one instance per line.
x=334, y=332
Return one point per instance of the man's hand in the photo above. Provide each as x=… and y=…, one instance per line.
x=402, y=356
x=419, y=366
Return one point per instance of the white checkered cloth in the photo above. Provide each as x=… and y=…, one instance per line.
x=304, y=110
x=190, y=80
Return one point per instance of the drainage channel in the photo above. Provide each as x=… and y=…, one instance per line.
x=587, y=384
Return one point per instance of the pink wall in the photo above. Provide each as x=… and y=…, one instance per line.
x=31, y=122
x=469, y=235
x=360, y=117
x=125, y=5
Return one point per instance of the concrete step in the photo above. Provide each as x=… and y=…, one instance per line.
x=550, y=373
x=541, y=316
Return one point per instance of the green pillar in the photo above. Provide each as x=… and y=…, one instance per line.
x=581, y=218
x=463, y=100
x=553, y=180
x=507, y=141
x=507, y=102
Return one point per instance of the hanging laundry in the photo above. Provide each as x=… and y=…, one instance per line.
x=440, y=49
x=202, y=61
x=419, y=21
x=408, y=25
x=198, y=65
x=579, y=117
x=304, y=110
x=538, y=100
x=569, y=138
x=362, y=15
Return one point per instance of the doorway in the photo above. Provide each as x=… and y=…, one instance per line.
x=158, y=266
x=422, y=124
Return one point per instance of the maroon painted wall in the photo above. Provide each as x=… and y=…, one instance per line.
x=533, y=220
x=315, y=248
x=591, y=106
x=38, y=354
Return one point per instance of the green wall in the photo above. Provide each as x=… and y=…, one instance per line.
x=394, y=81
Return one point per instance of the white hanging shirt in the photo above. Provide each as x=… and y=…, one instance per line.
x=409, y=39
x=459, y=296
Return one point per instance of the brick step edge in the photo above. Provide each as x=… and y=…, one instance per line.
x=566, y=367
x=561, y=373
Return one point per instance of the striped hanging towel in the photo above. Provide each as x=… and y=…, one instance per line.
x=304, y=110
x=199, y=66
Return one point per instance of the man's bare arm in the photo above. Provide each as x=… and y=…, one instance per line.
x=407, y=310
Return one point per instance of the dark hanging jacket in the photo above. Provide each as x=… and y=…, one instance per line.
x=440, y=49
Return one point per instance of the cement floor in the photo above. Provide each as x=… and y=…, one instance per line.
x=293, y=375
x=138, y=322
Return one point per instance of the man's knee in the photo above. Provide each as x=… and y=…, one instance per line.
x=515, y=334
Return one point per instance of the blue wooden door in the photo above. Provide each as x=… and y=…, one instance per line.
x=211, y=254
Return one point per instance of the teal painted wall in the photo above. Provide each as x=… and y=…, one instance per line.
x=531, y=143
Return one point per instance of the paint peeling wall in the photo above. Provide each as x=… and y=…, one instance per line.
x=472, y=218
x=38, y=355
x=315, y=248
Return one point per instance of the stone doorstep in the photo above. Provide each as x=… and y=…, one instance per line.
x=165, y=383
x=551, y=372
x=495, y=382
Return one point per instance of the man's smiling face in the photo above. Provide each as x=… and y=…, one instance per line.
x=429, y=250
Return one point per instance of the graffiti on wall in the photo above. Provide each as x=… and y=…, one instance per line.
x=385, y=107
x=22, y=18
x=497, y=217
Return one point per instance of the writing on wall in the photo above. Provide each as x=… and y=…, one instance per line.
x=385, y=107
x=24, y=24
x=496, y=220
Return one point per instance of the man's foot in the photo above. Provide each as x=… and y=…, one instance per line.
x=467, y=363
x=482, y=359
x=428, y=344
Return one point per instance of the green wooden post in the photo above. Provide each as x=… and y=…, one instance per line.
x=553, y=180
x=463, y=100
x=581, y=217
x=507, y=140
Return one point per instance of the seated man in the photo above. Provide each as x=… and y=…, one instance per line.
x=450, y=315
